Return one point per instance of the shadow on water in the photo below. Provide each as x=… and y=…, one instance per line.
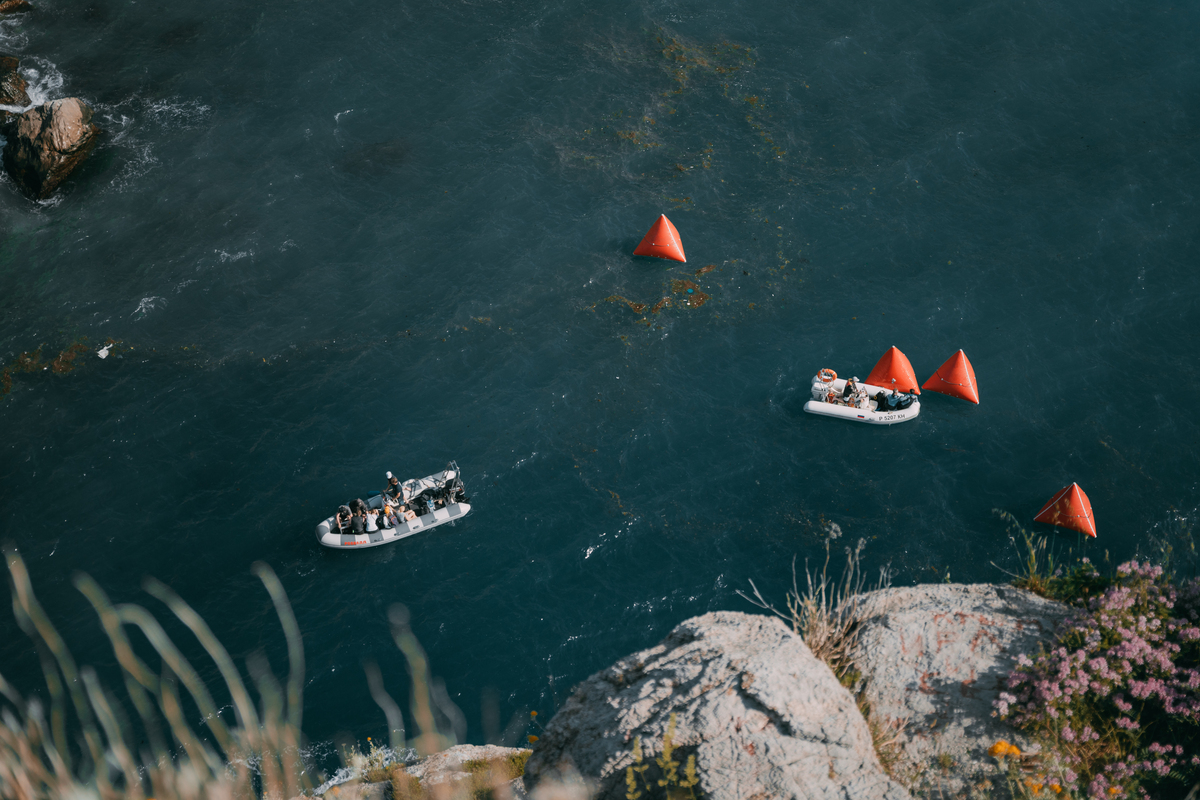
x=376, y=158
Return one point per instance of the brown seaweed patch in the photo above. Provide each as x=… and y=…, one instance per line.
x=65, y=361
x=705, y=269
x=28, y=362
x=32, y=361
x=638, y=308
x=660, y=305
x=691, y=293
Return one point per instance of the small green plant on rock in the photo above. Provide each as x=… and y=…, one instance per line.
x=1039, y=573
x=637, y=785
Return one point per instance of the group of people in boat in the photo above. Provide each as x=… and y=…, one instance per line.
x=357, y=518
x=856, y=396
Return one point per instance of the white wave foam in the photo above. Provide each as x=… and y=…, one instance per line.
x=44, y=79
x=147, y=305
x=126, y=120
x=177, y=114
x=238, y=256
x=142, y=160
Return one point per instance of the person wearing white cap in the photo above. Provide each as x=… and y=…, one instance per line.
x=393, y=489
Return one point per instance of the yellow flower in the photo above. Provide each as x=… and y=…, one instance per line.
x=1113, y=790
x=532, y=739
x=1002, y=748
x=1054, y=787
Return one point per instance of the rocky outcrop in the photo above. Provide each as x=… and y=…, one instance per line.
x=933, y=658
x=46, y=143
x=763, y=717
x=449, y=772
x=15, y=6
x=12, y=85
x=462, y=772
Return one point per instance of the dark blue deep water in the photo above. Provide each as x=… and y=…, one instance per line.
x=337, y=239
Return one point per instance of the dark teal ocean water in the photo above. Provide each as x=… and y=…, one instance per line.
x=339, y=239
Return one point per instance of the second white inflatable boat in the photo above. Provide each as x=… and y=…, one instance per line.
x=874, y=405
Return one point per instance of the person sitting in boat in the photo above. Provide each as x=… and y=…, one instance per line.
x=393, y=489
x=370, y=525
x=341, y=522
x=397, y=512
x=381, y=519
x=358, y=522
x=850, y=389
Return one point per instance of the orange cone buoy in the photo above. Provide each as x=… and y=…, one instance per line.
x=956, y=378
x=1070, y=508
x=894, y=371
x=662, y=241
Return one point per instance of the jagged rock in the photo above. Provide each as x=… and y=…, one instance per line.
x=461, y=772
x=762, y=715
x=935, y=657
x=46, y=143
x=357, y=791
x=15, y=6
x=461, y=763
x=12, y=85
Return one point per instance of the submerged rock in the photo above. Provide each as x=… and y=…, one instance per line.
x=763, y=717
x=15, y=6
x=46, y=143
x=12, y=85
x=935, y=657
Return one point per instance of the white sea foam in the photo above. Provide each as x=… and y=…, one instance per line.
x=44, y=79
x=43, y=82
x=238, y=256
x=127, y=121
x=147, y=305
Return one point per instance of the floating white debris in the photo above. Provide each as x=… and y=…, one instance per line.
x=103, y=351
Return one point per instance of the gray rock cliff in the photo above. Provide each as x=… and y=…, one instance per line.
x=935, y=657
x=762, y=715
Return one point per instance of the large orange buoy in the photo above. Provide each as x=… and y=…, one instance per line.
x=894, y=371
x=1070, y=508
x=956, y=378
x=662, y=241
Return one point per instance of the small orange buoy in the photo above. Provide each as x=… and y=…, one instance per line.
x=894, y=371
x=956, y=378
x=1070, y=508
x=662, y=241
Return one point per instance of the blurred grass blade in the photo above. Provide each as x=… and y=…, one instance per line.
x=384, y=700
x=247, y=718
x=291, y=630
x=136, y=615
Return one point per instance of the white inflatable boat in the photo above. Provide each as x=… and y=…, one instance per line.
x=862, y=405
x=436, y=499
